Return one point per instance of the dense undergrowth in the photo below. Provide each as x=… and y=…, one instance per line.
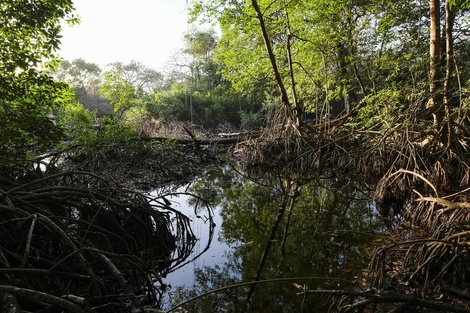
x=82, y=231
x=420, y=175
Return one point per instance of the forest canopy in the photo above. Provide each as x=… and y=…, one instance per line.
x=329, y=56
x=29, y=41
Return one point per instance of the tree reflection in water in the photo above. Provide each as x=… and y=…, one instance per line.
x=322, y=230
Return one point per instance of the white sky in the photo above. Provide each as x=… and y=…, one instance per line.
x=148, y=31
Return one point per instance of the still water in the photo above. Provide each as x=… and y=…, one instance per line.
x=295, y=236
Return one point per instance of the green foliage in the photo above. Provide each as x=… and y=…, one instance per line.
x=26, y=102
x=113, y=132
x=251, y=120
x=341, y=51
x=242, y=54
x=29, y=38
x=200, y=44
x=171, y=104
x=77, y=123
x=119, y=92
x=30, y=31
x=465, y=3
x=465, y=105
x=381, y=110
x=205, y=108
x=82, y=128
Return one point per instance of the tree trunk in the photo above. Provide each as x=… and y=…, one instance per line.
x=292, y=116
x=449, y=41
x=435, y=70
x=450, y=19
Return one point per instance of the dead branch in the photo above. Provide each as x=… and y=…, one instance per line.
x=223, y=139
x=419, y=176
x=448, y=205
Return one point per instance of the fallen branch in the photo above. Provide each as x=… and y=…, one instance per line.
x=225, y=140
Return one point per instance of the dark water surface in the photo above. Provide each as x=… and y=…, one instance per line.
x=319, y=234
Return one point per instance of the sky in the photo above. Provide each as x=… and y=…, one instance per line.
x=148, y=31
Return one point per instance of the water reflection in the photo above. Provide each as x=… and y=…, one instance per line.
x=320, y=233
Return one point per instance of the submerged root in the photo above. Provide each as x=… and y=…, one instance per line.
x=78, y=242
x=430, y=254
x=415, y=183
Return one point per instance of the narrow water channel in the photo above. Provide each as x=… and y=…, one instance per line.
x=318, y=235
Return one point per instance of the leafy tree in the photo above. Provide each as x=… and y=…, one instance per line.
x=204, y=71
x=325, y=57
x=119, y=92
x=82, y=75
x=144, y=79
x=170, y=104
x=286, y=44
x=202, y=95
x=209, y=109
x=85, y=79
x=77, y=123
x=29, y=39
x=129, y=88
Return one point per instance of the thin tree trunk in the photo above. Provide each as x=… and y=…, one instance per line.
x=450, y=19
x=272, y=58
x=435, y=71
x=297, y=105
x=449, y=40
x=342, y=55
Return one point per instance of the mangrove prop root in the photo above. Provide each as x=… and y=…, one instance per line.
x=45, y=298
x=75, y=241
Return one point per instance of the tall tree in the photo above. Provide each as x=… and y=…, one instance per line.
x=305, y=50
x=327, y=56
x=435, y=68
x=29, y=39
x=119, y=92
x=145, y=80
x=442, y=58
x=204, y=71
x=85, y=79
